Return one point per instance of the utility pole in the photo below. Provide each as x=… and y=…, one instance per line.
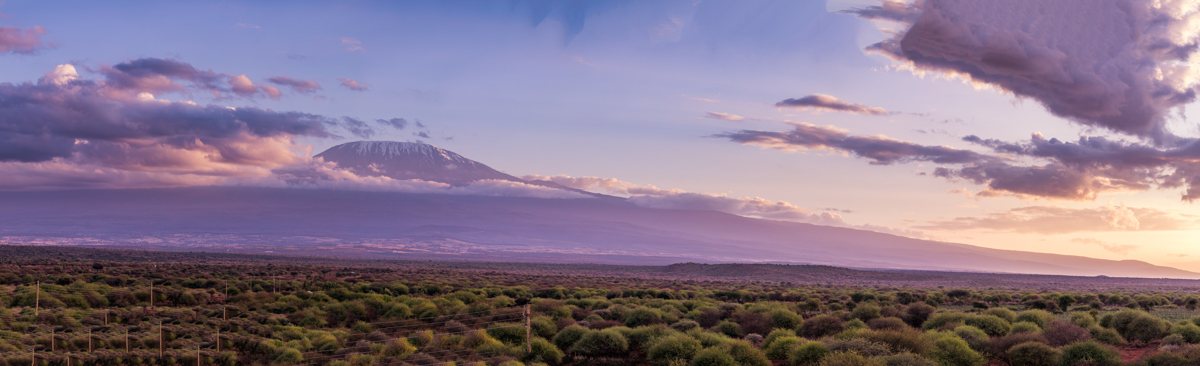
x=218, y=340
x=528, y=331
x=160, y=340
x=126, y=340
x=37, y=299
x=51, y=339
x=151, y=294
x=197, y=355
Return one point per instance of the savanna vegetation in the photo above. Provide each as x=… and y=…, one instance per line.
x=96, y=307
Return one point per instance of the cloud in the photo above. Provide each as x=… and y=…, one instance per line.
x=1115, y=248
x=157, y=76
x=353, y=85
x=1079, y=170
x=352, y=44
x=23, y=41
x=724, y=116
x=822, y=102
x=880, y=149
x=357, y=127
x=1050, y=220
x=300, y=86
x=1115, y=65
x=319, y=174
x=674, y=199
x=397, y=123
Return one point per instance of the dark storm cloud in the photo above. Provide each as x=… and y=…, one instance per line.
x=1119, y=65
x=822, y=102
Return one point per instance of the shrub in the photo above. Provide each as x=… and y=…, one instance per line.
x=1089, y=353
x=1060, y=333
x=643, y=316
x=777, y=334
x=508, y=333
x=854, y=324
x=1082, y=319
x=1025, y=327
x=685, y=325
x=945, y=320
x=713, y=357
x=543, y=326
x=728, y=328
x=568, y=336
x=1106, y=336
x=907, y=359
x=820, y=326
x=891, y=323
x=809, y=353
x=1173, y=340
x=1189, y=331
x=1040, y=317
x=990, y=324
x=1002, y=313
x=781, y=346
x=746, y=354
x=865, y=312
x=601, y=343
x=849, y=359
x=910, y=340
x=917, y=313
x=859, y=346
x=673, y=347
x=952, y=351
x=1032, y=354
x=785, y=319
x=1146, y=328
x=976, y=338
x=999, y=346
x=543, y=351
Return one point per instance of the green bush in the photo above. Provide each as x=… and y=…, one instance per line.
x=909, y=340
x=976, y=338
x=945, y=319
x=1138, y=326
x=992, y=325
x=1040, y=317
x=865, y=312
x=809, y=353
x=849, y=359
x=784, y=319
x=1189, y=331
x=1082, y=319
x=907, y=359
x=1032, y=354
x=728, y=328
x=685, y=325
x=510, y=333
x=601, y=343
x=746, y=354
x=543, y=326
x=1025, y=327
x=782, y=346
x=643, y=316
x=776, y=334
x=1106, y=336
x=568, y=336
x=543, y=351
x=713, y=357
x=889, y=323
x=860, y=346
x=952, y=351
x=1002, y=313
x=672, y=348
x=1089, y=353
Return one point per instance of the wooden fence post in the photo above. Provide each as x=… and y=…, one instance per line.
x=528, y=331
x=37, y=299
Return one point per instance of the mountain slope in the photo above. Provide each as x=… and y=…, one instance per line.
x=400, y=225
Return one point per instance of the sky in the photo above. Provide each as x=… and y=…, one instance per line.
x=1058, y=127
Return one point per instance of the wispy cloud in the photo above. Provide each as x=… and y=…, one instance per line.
x=1051, y=220
x=352, y=44
x=23, y=41
x=300, y=86
x=1112, y=247
x=724, y=116
x=354, y=84
x=823, y=102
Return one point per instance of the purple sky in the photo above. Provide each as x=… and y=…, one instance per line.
x=1046, y=126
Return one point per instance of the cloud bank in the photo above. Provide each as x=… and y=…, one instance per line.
x=1118, y=65
x=1051, y=220
x=823, y=102
x=654, y=197
x=23, y=41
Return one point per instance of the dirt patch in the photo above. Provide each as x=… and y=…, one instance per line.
x=1131, y=353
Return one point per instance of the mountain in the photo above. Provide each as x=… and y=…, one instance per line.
x=598, y=229
x=418, y=160
x=454, y=227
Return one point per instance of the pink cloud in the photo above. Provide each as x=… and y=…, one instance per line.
x=353, y=84
x=25, y=41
